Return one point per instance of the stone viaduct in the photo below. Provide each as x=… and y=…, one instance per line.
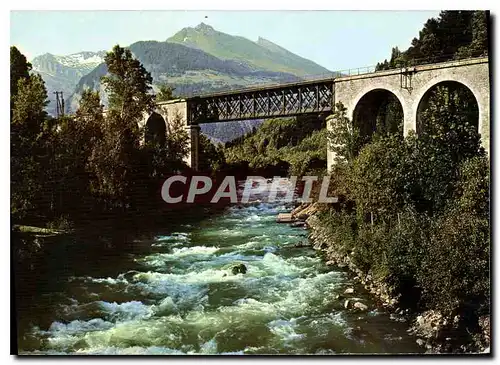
x=361, y=94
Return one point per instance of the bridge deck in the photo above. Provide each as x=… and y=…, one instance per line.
x=284, y=100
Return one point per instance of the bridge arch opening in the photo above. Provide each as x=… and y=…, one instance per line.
x=156, y=129
x=447, y=99
x=379, y=111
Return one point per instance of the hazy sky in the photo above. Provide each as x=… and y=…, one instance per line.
x=334, y=39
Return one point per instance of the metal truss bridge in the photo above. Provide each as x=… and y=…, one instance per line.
x=274, y=101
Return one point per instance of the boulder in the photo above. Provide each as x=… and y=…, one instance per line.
x=349, y=291
x=239, y=269
x=360, y=306
x=284, y=218
x=347, y=303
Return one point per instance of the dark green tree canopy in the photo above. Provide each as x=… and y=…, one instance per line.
x=19, y=69
x=454, y=34
x=165, y=93
x=128, y=85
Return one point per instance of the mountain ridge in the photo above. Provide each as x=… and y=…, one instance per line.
x=193, y=61
x=62, y=73
x=226, y=46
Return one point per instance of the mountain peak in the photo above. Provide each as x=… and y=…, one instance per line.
x=204, y=28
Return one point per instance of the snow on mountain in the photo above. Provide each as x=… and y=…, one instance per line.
x=62, y=73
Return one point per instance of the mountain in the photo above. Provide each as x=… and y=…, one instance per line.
x=262, y=55
x=62, y=73
x=191, y=71
x=194, y=61
x=223, y=132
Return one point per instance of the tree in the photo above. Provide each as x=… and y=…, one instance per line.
x=165, y=93
x=454, y=34
x=75, y=140
x=115, y=159
x=344, y=138
x=177, y=140
x=378, y=177
x=19, y=69
x=479, y=43
x=27, y=124
x=450, y=122
x=211, y=156
x=128, y=85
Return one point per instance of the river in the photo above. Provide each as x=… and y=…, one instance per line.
x=175, y=293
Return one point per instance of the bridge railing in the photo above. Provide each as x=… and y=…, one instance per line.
x=354, y=72
x=373, y=68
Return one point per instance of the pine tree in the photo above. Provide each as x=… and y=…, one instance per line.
x=19, y=69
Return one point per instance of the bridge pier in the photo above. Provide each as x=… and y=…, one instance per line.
x=192, y=158
x=174, y=114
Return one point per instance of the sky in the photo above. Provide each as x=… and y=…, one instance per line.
x=337, y=40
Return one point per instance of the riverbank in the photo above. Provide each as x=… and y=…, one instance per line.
x=433, y=331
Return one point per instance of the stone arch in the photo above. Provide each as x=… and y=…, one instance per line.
x=155, y=129
x=370, y=108
x=422, y=99
x=482, y=105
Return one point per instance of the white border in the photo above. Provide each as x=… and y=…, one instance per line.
x=195, y=5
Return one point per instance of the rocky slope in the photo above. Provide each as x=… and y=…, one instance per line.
x=62, y=73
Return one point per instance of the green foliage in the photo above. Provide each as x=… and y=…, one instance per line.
x=415, y=211
x=19, y=69
x=450, y=122
x=454, y=34
x=344, y=137
x=26, y=127
x=177, y=140
x=114, y=161
x=70, y=143
x=377, y=177
x=396, y=60
x=128, y=85
x=210, y=156
x=165, y=93
x=455, y=272
x=390, y=118
x=300, y=143
x=78, y=166
x=473, y=189
x=308, y=155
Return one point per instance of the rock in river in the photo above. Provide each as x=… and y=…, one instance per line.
x=239, y=269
